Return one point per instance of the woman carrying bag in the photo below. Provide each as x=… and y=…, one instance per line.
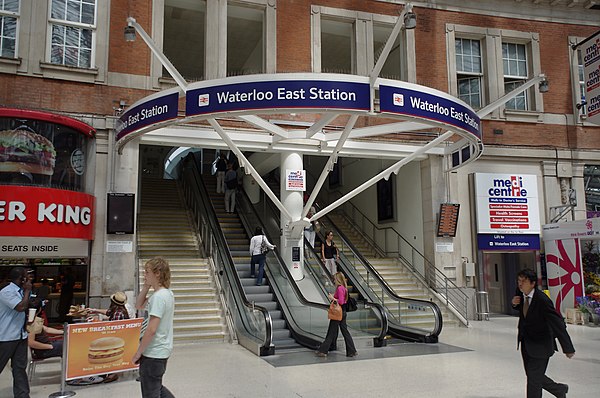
x=259, y=246
x=340, y=297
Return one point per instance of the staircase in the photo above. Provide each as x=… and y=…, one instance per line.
x=239, y=243
x=393, y=271
x=164, y=229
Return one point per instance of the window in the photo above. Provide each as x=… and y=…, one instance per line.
x=581, y=79
x=184, y=37
x=337, y=46
x=245, y=44
x=9, y=12
x=469, y=71
x=484, y=64
x=514, y=63
x=72, y=24
x=214, y=39
x=351, y=42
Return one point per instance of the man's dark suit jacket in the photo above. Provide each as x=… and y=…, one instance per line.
x=542, y=325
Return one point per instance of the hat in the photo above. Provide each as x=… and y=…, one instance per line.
x=119, y=298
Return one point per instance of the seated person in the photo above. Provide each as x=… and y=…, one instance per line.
x=117, y=310
x=40, y=338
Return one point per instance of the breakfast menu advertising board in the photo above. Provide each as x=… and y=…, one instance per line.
x=507, y=204
x=97, y=348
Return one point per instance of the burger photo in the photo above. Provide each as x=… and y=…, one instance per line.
x=24, y=151
x=106, y=350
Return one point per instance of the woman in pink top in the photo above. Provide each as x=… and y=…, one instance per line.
x=341, y=295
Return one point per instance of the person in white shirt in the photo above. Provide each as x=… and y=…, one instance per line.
x=258, y=245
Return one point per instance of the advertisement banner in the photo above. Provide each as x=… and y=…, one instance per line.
x=507, y=204
x=46, y=212
x=590, y=53
x=97, y=348
x=565, y=272
x=154, y=109
x=295, y=180
x=285, y=92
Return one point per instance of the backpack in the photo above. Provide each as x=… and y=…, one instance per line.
x=231, y=184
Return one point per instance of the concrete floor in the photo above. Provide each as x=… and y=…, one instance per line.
x=476, y=362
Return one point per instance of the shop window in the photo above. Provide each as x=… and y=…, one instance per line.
x=40, y=153
x=184, y=37
x=9, y=13
x=72, y=29
x=245, y=40
x=469, y=71
x=473, y=52
x=351, y=42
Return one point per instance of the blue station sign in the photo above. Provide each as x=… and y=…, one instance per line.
x=152, y=110
x=270, y=93
x=425, y=103
x=508, y=242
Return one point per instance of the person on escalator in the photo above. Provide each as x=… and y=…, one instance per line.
x=329, y=344
x=230, y=188
x=330, y=253
x=221, y=169
x=259, y=246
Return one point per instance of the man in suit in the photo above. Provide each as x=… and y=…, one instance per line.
x=539, y=325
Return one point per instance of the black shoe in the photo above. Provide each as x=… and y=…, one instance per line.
x=320, y=354
x=352, y=355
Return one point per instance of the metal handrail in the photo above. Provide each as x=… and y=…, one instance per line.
x=402, y=331
x=215, y=244
x=379, y=340
x=433, y=278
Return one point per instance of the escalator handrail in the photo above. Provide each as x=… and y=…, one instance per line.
x=386, y=287
x=218, y=234
x=381, y=309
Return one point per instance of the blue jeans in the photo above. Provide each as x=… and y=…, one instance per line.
x=151, y=374
x=16, y=351
x=260, y=259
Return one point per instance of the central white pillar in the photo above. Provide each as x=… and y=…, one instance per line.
x=291, y=246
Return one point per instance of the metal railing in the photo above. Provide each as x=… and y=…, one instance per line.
x=390, y=243
x=253, y=323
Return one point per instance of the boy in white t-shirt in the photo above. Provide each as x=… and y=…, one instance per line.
x=156, y=344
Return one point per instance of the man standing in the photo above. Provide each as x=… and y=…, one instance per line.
x=14, y=301
x=230, y=188
x=539, y=325
x=221, y=169
x=156, y=344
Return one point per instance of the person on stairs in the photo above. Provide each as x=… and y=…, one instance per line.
x=329, y=344
x=221, y=169
x=230, y=188
x=330, y=254
x=258, y=245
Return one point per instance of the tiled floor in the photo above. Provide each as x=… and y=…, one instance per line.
x=478, y=362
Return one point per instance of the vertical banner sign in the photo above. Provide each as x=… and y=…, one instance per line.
x=564, y=268
x=97, y=348
x=590, y=53
x=295, y=180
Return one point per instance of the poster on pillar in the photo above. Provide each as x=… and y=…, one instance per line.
x=564, y=269
x=295, y=180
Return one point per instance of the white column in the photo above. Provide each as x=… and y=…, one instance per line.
x=291, y=247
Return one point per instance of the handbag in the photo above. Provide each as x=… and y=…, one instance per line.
x=335, y=311
x=264, y=249
x=351, y=304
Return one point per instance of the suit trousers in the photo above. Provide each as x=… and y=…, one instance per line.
x=16, y=351
x=535, y=369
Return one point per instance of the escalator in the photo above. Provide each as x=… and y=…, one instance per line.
x=368, y=287
x=265, y=318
